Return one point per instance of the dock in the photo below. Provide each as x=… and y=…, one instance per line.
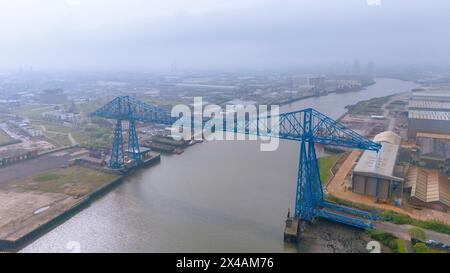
x=292, y=230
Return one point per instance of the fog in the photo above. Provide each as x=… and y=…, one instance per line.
x=218, y=34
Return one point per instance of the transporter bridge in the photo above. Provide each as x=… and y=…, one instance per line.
x=307, y=126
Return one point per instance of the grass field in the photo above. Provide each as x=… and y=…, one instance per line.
x=34, y=112
x=5, y=139
x=74, y=181
x=325, y=165
x=422, y=248
x=56, y=127
x=93, y=137
x=58, y=139
x=367, y=106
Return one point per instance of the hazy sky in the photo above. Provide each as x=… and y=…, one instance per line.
x=156, y=34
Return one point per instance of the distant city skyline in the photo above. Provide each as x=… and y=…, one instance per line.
x=204, y=34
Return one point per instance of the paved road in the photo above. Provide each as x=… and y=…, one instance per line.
x=72, y=139
x=401, y=231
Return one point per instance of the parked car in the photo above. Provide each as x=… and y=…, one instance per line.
x=432, y=243
x=446, y=247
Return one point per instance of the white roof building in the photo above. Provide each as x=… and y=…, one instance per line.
x=382, y=163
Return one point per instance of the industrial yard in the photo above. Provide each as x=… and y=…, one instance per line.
x=39, y=192
x=410, y=174
x=415, y=130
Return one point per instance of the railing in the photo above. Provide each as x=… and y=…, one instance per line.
x=348, y=210
x=356, y=222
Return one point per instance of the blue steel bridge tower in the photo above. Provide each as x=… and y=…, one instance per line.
x=131, y=110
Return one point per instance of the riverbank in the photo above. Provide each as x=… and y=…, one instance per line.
x=331, y=237
x=33, y=204
x=289, y=101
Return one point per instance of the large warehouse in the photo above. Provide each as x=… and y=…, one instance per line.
x=428, y=121
x=429, y=113
x=434, y=149
x=441, y=95
x=426, y=105
x=374, y=174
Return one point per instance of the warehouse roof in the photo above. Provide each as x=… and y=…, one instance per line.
x=14, y=152
x=432, y=135
x=381, y=163
x=445, y=95
x=428, y=185
x=388, y=136
x=429, y=115
x=431, y=105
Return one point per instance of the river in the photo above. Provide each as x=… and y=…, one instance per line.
x=222, y=196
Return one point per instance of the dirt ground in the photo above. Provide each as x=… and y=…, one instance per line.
x=31, y=201
x=74, y=181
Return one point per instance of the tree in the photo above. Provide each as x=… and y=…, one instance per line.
x=417, y=234
x=420, y=248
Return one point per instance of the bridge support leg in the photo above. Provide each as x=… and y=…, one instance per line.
x=303, y=200
x=133, y=143
x=116, y=161
x=309, y=195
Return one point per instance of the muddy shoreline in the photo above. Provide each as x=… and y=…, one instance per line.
x=330, y=237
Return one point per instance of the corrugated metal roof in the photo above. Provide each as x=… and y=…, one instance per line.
x=426, y=104
x=429, y=115
x=445, y=95
x=380, y=163
x=432, y=135
x=428, y=185
x=388, y=136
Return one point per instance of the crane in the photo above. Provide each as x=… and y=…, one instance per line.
x=307, y=126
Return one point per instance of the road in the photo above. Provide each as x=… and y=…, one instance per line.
x=72, y=140
x=401, y=231
x=391, y=119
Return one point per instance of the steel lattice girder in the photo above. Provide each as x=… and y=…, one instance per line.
x=129, y=108
x=324, y=130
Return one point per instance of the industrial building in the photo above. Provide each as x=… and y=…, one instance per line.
x=431, y=96
x=8, y=157
x=434, y=149
x=429, y=125
x=427, y=105
x=428, y=188
x=429, y=112
x=428, y=121
x=61, y=116
x=375, y=173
